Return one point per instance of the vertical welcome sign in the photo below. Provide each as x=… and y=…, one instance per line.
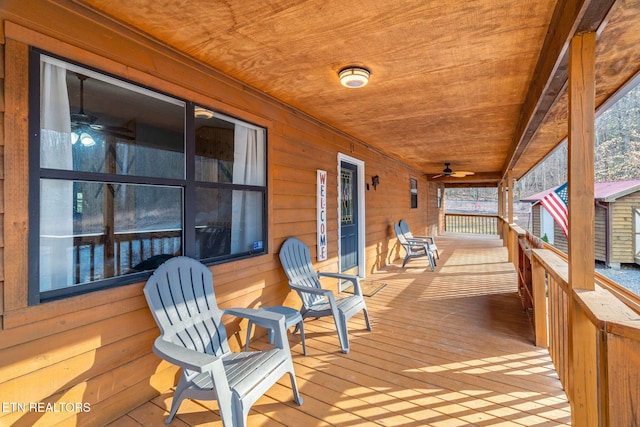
x=322, y=214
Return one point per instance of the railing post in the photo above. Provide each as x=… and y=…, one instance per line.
x=503, y=230
x=539, y=302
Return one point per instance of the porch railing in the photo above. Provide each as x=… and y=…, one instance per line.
x=471, y=223
x=593, y=337
x=129, y=249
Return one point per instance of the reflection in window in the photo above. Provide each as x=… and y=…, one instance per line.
x=226, y=223
x=114, y=182
x=413, y=183
x=116, y=229
x=229, y=218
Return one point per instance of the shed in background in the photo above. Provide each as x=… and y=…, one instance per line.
x=617, y=222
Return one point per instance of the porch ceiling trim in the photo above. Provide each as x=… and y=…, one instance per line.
x=550, y=77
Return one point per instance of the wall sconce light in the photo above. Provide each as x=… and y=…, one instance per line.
x=354, y=77
x=375, y=180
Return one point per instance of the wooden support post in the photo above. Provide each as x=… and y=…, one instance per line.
x=501, y=213
x=539, y=291
x=510, y=200
x=583, y=379
x=513, y=238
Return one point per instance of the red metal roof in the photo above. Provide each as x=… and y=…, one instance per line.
x=603, y=191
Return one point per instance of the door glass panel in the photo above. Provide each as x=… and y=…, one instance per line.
x=346, y=177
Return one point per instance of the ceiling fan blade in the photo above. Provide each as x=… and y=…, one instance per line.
x=461, y=174
x=118, y=131
x=437, y=176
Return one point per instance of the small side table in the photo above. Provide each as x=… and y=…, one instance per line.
x=291, y=317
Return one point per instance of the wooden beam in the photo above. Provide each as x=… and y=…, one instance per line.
x=16, y=169
x=581, y=161
x=550, y=77
x=583, y=342
x=510, y=195
x=479, y=180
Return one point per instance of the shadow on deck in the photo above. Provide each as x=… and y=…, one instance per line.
x=448, y=348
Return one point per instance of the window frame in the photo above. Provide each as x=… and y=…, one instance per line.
x=188, y=185
x=413, y=193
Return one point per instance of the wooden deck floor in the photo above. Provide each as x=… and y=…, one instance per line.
x=450, y=348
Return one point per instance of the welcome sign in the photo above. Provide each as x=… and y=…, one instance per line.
x=322, y=214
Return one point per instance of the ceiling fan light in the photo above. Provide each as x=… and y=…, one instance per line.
x=86, y=139
x=354, y=77
x=202, y=113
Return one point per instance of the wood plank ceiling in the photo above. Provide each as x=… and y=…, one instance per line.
x=477, y=83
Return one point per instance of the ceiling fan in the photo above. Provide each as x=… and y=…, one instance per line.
x=448, y=172
x=83, y=125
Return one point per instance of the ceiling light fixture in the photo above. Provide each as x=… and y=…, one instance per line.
x=84, y=138
x=354, y=77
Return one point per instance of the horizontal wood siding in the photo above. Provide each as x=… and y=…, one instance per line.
x=622, y=237
x=560, y=240
x=600, y=244
x=96, y=348
x=535, y=216
x=435, y=221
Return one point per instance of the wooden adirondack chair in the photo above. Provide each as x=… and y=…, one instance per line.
x=414, y=248
x=429, y=239
x=181, y=298
x=318, y=302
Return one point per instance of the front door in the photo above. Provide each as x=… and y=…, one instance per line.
x=348, y=218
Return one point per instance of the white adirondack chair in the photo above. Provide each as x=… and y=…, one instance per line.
x=193, y=337
x=413, y=248
x=318, y=302
x=429, y=239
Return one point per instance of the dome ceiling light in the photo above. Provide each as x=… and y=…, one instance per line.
x=354, y=77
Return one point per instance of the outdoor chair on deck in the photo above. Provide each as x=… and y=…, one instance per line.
x=429, y=239
x=181, y=298
x=414, y=248
x=318, y=302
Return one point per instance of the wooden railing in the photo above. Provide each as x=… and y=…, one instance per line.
x=130, y=249
x=593, y=337
x=471, y=223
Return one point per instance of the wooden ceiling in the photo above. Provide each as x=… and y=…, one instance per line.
x=477, y=83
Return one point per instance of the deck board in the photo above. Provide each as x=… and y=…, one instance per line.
x=448, y=348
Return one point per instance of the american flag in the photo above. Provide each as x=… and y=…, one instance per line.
x=556, y=204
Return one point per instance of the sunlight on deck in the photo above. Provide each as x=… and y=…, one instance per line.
x=448, y=348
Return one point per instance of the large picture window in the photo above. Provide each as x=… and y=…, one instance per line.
x=123, y=178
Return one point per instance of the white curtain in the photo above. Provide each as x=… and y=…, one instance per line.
x=248, y=168
x=56, y=197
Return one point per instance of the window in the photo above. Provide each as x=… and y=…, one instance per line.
x=123, y=178
x=414, y=192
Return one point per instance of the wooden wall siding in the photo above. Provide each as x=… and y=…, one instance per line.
x=600, y=244
x=436, y=219
x=622, y=246
x=96, y=348
x=560, y=240
x=535, y=220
